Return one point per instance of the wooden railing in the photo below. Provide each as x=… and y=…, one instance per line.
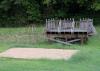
x=70, y=24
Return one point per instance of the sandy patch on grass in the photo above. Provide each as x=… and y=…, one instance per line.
x=38, y=53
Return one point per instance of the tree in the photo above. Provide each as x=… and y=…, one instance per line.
x=36, y=10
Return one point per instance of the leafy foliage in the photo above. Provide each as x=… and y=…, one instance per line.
x=23, y=11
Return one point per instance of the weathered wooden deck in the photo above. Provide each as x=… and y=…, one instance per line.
x=75, y=30
x=70, y=30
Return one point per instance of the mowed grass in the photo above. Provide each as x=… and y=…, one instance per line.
x=87, y=59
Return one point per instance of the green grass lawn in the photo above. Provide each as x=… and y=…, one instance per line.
x=88, y=59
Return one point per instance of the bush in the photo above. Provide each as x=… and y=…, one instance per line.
x=22, y=12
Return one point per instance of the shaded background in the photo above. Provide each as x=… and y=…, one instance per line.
x=16, y=13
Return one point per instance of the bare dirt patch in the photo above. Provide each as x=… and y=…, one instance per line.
x=38, y=53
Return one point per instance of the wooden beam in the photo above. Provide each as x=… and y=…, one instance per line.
x=62, y=42
x=74, y=40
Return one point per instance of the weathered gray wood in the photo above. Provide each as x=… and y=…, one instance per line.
x=74, y=40
x=91, y=28
x=59, y=26
x=67, y=30
x=83, y=24
x=62, y=42
x=70, y=25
